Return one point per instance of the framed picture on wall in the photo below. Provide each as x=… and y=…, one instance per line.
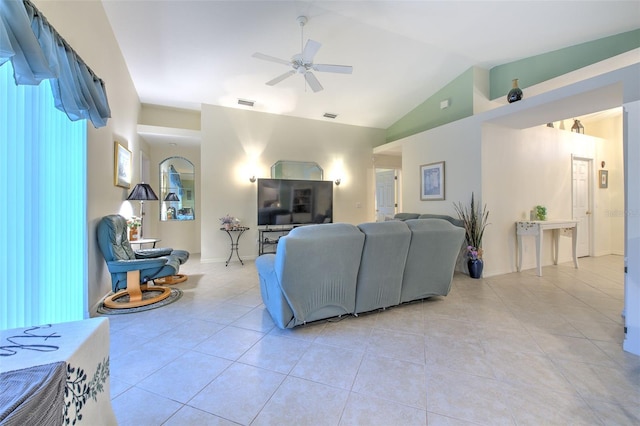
x=603, y=178
x=432, y=181
x=122, y=166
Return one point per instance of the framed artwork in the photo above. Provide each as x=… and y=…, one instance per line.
x=603, y=178
x=432, y=181
x=122, y=166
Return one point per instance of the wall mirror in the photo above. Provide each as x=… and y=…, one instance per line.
x=296, y=170
x=177, y=189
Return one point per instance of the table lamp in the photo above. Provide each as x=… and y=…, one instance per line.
x=171, y=197
x=142, y=192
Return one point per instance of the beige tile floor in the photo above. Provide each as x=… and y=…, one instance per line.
x=514, y=349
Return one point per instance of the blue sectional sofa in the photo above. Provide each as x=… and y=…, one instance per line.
x=328, y=270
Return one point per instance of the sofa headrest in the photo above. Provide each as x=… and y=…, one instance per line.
x=323, y=230
x=432, y=224
x=453, y=221
x=384, y=228
x=406, y=216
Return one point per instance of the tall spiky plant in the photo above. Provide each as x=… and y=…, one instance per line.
x=475, y=221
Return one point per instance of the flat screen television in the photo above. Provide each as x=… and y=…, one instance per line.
x=294, y=202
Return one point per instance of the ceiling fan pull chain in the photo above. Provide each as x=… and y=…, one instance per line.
x=302, y=21
x=301, y=37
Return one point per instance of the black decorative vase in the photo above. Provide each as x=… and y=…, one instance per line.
x=475, y=268
x=515, y=94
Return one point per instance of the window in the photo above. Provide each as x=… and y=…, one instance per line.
x=43, y=243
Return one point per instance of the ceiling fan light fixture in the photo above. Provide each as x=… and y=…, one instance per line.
x=302, y=63
x=246, y=102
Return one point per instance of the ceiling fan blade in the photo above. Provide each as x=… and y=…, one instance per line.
x=342, y=69
x=310, y=50
x=313, y=81
x=271, y=58
x=280, y=78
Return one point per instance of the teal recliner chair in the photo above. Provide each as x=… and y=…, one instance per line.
x=132, y=270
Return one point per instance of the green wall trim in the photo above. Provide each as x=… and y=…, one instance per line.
x=543, y=67
x=528, y=71
x=428, y=115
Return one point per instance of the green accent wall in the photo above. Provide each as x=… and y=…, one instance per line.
x=528, y=71
x=539, y=68
x=428, y=115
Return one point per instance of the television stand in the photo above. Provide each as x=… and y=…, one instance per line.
x=269, y=236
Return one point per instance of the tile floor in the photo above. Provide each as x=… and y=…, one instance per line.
x=514, y=349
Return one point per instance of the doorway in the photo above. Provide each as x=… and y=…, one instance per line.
x=581, y=202
x=386, y=193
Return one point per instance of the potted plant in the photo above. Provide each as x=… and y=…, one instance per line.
x=474, y=221
x=541, y=212
x=133, y=224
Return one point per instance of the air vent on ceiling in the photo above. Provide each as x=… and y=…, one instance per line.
x=246, y=102
x=330, y=115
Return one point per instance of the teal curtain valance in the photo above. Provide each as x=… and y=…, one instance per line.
x=37, y=52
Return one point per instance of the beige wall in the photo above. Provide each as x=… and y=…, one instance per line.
x=237, y=144
x=609, y=127
x=102, y=54
x=154, y=115
x=512, y=170
x=458, y=145
x=524, y=168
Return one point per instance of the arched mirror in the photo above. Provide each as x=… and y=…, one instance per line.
x=296, y=170
x=177, y=189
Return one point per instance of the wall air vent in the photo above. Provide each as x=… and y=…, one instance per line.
x=330, y=115
x=246, y=102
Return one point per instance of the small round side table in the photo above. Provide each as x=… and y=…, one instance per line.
x=239, y=230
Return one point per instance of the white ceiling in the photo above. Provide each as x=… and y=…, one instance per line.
x=184, y=53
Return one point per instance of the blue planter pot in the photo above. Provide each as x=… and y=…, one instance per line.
x=475, y=267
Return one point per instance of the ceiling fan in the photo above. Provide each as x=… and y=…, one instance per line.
x=302, y=63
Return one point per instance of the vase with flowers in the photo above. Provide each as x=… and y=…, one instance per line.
x=227, y=221
x=133, y=224
x=474, y=221
x=474, y=262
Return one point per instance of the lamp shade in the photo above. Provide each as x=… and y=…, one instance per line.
x=143, y=192
x=577, y=127
x=171, y=197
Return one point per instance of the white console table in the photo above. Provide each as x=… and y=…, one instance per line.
x=536, y=228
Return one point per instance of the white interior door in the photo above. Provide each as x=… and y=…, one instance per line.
x=581, y=203
x=385, y=194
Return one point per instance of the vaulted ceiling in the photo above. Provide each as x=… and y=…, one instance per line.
x=183, y=53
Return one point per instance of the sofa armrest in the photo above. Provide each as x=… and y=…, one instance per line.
x=271, y=292
x=265, y=264
x=116, y=266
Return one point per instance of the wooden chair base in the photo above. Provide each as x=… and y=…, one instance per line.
x=135, y=291
x=174, y=279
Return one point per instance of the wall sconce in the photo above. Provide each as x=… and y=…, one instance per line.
x=337, y=181
x=577, y=127
x=252, y=179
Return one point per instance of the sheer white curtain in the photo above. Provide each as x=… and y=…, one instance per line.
x=39, y=53
x=43, y=237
